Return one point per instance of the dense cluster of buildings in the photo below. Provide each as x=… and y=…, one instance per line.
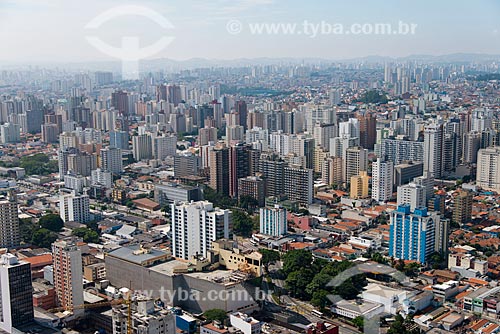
x=172, y=186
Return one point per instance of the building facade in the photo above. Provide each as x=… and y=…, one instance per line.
x=412, y=234
x=273, y=221
x=195, y=225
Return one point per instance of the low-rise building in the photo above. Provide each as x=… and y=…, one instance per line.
x=244, y=323
x=95, y=272
x=355, y=308
x=146, y=319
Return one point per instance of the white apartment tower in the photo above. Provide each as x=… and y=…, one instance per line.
x=142, y=147
x=412, y=194
x=356, y=160
x=433, y=150
x=111, y=160
x=488, y=168
x=195, y=225
x=273, y=221
x=382, y=180
x=164, y=146
x=73, y=207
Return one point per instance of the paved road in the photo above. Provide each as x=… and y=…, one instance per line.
x=305, y=309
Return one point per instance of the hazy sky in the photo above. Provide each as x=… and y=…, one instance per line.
x=54, y=30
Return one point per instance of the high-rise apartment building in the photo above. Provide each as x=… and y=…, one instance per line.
x=164, y=146
x=433, y=150
x=382, y=180
x=10, y=133
x=206, y=135
x=273, y=221
x=332, y=171
x=356, y=161
x=68, y=277
x=398, y=150
x=359, y=185
x=240, y=107
x=195, y=225
x=50, y=133
x=367, y=130
x=254, y=187
x=16, y=299
x=412, y=233
x=119, y=139
x=272, y=169
x=74, y=208
x=120, y=101
x=9, y=222
x=239, y=166
x=488, y=168
x=462, y=207
x=412, y=194
x=298, y=184
x=219, y=170
x=111, y=160
x=142, y=147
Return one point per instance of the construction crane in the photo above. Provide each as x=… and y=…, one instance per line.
x=127, y=301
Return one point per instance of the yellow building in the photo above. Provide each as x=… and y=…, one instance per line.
x=359, y=185
x=233, y=258
x=319, y=156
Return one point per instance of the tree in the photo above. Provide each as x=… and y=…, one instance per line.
x=319, y=282
x=295, y=260
x=403, y=326
x=269, y=256
x=320, y=298
x=297, y=281
x=38, y=164
x=215, y=314
x=377, y=257
x=51, y=222
x=411, y=269
x=358, y=322
x=373, y=96
x=242, y=224
x=27, y=228
x=248, y=203
x=87, y=234
x=43, y=238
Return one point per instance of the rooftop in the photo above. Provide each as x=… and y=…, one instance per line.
x=138, y=255
x=357, y=307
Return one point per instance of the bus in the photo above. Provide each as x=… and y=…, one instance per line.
x=317, y=313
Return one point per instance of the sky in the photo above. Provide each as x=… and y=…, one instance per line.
x=34, y=31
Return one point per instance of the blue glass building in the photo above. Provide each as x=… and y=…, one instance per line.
x=412, y=234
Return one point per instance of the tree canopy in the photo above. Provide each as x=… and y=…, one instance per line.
x=87, y=234
x=373, y=96
x=269, y=256
x=51, y=222
x=243, y=224
x=43, y=238
x=215, y=314
x=309, y=278
x=403, y=326
x=38, y=164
